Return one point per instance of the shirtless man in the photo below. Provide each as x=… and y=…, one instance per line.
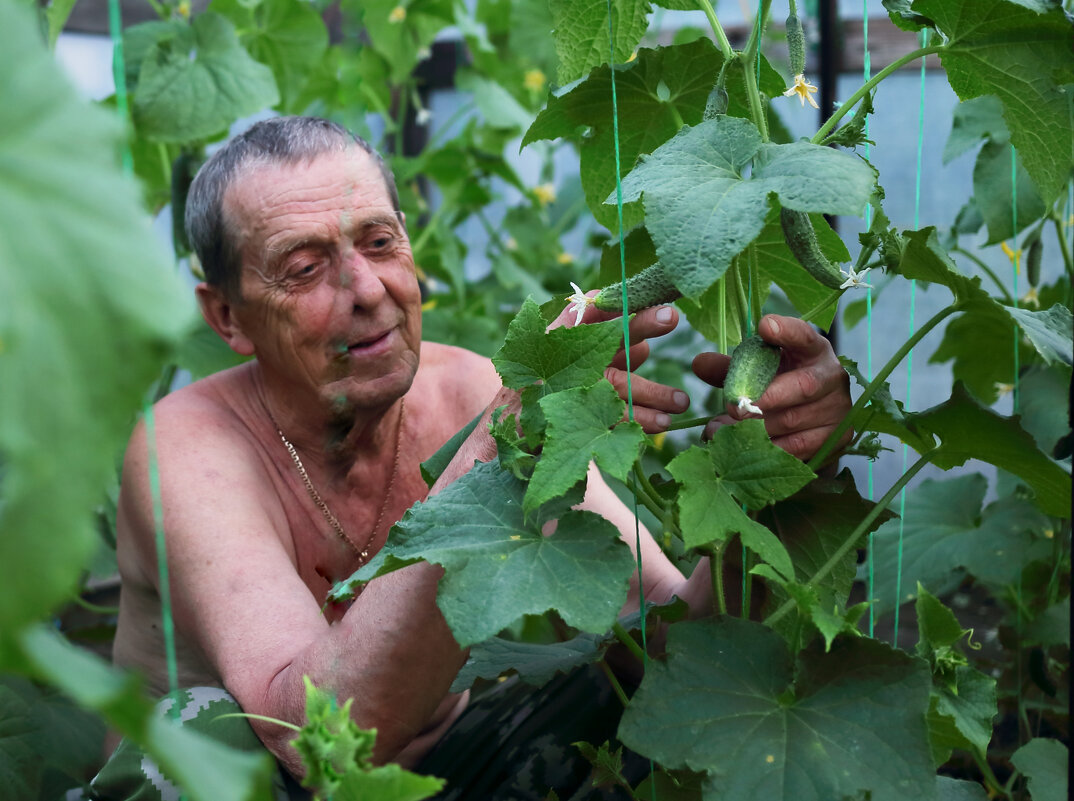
x=282, y=476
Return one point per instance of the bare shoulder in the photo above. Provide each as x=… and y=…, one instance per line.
x=200, y=451
x=461, y=378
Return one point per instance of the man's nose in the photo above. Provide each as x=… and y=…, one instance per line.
x=359, y=276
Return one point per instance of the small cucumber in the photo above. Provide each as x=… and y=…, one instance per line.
x=650, y=287
x=802, y=240
x=753, y=366
x=1033, y=257
x=795, y=45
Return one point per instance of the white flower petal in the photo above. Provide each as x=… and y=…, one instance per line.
x=746, y=405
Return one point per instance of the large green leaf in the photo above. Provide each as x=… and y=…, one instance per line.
x=1051, y=332
x=21, y=766
x=813, y=524
x=925, y=259
x=206, y=769
x=739, y=462
x=1024, y=57
x=558, y=360
x=582, y=30
x=90, y=307
x=584, y=424
x=288, y=36
x=969, y=707
x=197, y=81
x=536, y=663
x=1044, y=397
x=945, y=533
x=655, y=93
x=489, y=549
x=981, y=346
x=998, y=199
x=973, y=120
x=730, y=700
x=402, y=32
x=701, y=210
x=968, y=430
x=66, y=740
x=1045, y=762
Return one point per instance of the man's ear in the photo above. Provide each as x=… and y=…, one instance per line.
x=219, y=313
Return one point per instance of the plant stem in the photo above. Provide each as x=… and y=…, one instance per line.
x=427, y=231
x=990, y=779
x=822, y=306
x=721, y=331
x=265, y=718
x=877, y=382
x=434, y=140
x=753, y=94
x=631, y=644
x=1064, y=246
x=92, y=607
x=749, y=66
x=651, y=502
x=921, y=52
x=615, y=684
x=691, y=423
x=719, y=600
x=164, y=385
x=855, y=535
x=987, y=271
x=717, y=29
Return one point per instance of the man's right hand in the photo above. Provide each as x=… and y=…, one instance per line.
x=653, y=403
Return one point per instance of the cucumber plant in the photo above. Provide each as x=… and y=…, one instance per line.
x=706, y=195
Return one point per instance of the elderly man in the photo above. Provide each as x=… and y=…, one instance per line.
x=284, y=475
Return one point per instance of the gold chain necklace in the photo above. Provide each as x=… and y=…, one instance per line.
x=363, y=553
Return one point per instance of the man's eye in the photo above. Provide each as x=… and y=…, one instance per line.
x=304, y=270
x=381, y=243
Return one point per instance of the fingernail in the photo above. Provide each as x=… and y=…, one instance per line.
x=681, y=401
x=663, y=420
x=773, y=326
x=663, y=315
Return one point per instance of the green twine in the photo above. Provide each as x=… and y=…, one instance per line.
x=910, y=356
x=167, y=621
x=119, y=75
x=867, y=70
x=1016, y=392
x=626, y=342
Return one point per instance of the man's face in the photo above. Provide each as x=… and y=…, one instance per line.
x=330, y=298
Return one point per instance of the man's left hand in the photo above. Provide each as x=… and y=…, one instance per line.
x=808, y=397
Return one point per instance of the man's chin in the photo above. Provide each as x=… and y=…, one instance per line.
x=351, y=396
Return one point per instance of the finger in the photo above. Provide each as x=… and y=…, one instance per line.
x=711, y=367
x=646, y=394
x=800, y=340
x=805, y=444
x=638, y=354
x=714, y=425
x=823, y=380
x=823, y=413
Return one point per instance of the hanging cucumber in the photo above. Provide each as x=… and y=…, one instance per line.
x=802, y=240
x=650, y=287
x=753, y=366
x=795, y=44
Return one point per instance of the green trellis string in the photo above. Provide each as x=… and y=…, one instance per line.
x=167, y=620
x=626, y=337
x=924, y=39
x=119, y=76
x=867, y=70
x=115, y=24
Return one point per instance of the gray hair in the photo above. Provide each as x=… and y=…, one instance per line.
x=277, y=141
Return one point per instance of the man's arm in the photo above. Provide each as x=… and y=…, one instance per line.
x=237, y=595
